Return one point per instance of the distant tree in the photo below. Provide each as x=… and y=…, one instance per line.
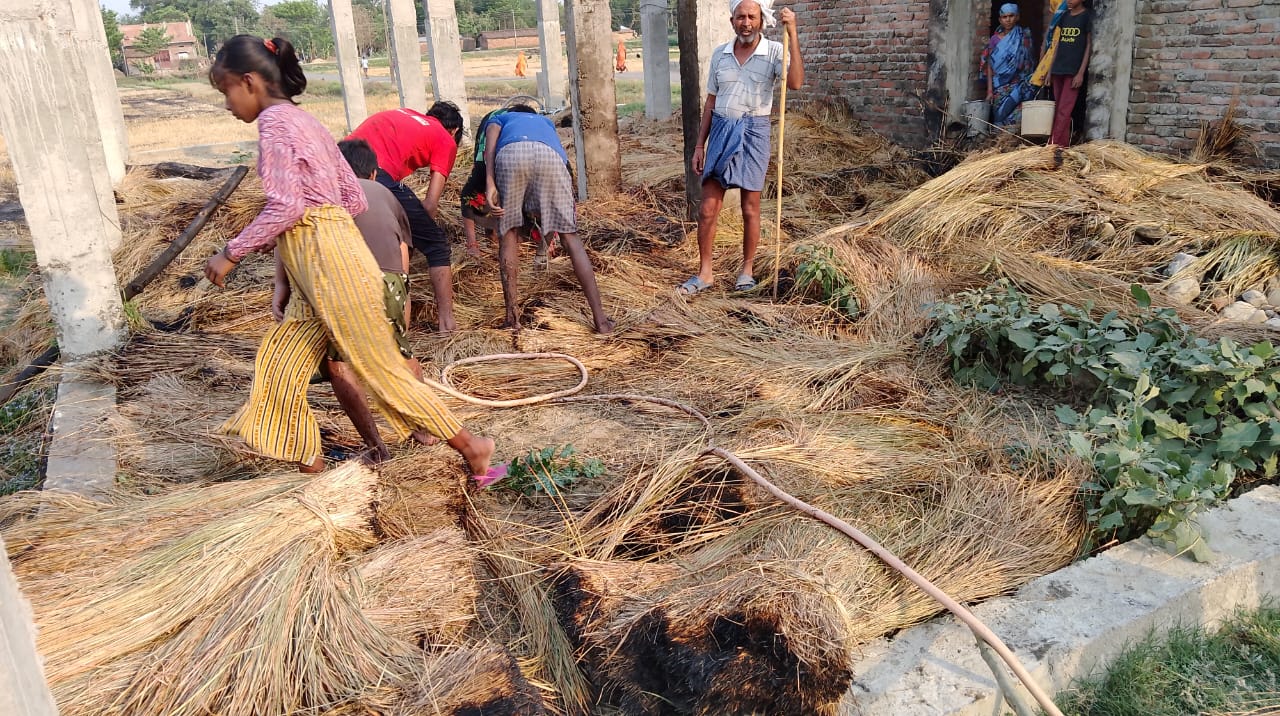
x=370, y=24
x=150, y=41
x=115, y=38
x=212, y=20
x=625, y=13
x=166, y=13
x=303, y=22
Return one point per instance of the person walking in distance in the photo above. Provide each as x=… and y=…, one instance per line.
x=733, y=138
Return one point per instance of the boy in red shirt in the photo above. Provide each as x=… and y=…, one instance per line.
x=405, y=141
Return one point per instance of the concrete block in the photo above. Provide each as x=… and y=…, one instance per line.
x=108, y=114
x=1071, y=623
x=593, y=95
x=22, y=686
x=61, y=175
x=657, y=59
x=82, y=457
x=552, y=78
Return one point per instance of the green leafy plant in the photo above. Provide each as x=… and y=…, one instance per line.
x=16, y=262
x=1168, y=419
x=551, y=470
x=21, y=443
x=818, y=276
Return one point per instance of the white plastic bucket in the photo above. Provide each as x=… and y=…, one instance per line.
x=977, y=114
x=1037, y=118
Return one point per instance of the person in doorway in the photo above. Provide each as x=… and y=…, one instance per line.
x=405, y=141
x=733, y=138
x=1074, y=34
x=526, y=170
x=522, y=64
x=620, y=61
x=336, y=289
x=1007, y=63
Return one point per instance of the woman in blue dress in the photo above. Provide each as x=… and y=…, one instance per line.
x=1007, y=62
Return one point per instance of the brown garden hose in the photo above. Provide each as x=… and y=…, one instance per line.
x=980, y=630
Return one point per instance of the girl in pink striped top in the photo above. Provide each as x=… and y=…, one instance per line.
x=336, y=286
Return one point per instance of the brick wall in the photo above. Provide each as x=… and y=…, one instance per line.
x=871, y=56
x=1191, y=57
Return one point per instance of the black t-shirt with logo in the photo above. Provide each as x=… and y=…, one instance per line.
x=1071, y=42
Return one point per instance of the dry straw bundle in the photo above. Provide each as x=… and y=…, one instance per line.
x=421, y=590
x=1077, y=224
x=237, y=599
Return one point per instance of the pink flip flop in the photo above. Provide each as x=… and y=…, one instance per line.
x=494, y=474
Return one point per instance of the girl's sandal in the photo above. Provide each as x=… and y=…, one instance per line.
x=494, y=474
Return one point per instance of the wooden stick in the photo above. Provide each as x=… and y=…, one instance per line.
x=28, y=374
x=166, y=257
x=782, y=144
x=148, y=274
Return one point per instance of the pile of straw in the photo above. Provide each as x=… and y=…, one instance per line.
x=238, y=599
x=1082, y=224
x=668, y=585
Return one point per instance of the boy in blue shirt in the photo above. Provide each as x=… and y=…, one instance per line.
x=526, y=169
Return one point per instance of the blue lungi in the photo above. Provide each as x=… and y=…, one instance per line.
x=738, y=152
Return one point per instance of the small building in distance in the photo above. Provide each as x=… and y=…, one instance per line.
x=522, y=37
x=183, y=46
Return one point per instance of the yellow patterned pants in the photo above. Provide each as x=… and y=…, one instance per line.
x=337, y=295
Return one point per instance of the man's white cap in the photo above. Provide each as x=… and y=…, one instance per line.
x=766, y=10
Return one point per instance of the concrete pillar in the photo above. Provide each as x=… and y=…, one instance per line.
x=101, y=78
x=349, y=74
x=953, y=69
x=1110, y=69
x=55, y=175
x=657, y=60
x=714, y=29
x=73, y=22
x=702, y=26
x=406, y=57
x=551, y=78
x=445, y=47
x=595, y=107
x=22, y=686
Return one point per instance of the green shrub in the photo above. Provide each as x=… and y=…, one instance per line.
x=1167, y=418
x=818, y=277
x=551, y=470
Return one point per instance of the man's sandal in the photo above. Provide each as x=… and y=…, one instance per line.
x=744, y=283
x=693, y=286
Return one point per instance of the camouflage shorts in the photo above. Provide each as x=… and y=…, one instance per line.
x=395, y=293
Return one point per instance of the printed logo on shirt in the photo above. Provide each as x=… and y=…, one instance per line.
x=1070, y=33
x=414, y=116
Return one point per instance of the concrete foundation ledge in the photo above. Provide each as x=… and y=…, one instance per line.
x=82, y=456
x=1071, y=623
